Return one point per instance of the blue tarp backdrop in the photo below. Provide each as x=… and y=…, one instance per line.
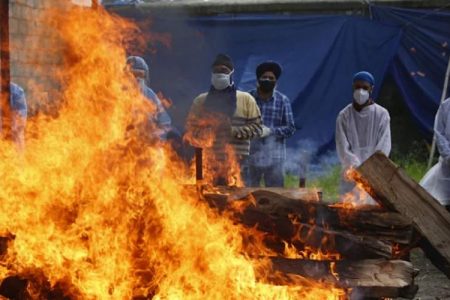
x=319, y=54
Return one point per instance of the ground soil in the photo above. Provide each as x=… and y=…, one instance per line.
x=433, y=284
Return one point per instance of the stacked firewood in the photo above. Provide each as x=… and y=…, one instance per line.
x=354, y=249
x=364, y=250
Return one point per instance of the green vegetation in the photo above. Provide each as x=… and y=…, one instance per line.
x=414, y=165
x=328, y=184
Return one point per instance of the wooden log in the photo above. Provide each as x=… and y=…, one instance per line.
x=389, y=185
x=368, y=221
x=374, y=278
x=386, y=226
x=303, y=236
x=304, y=194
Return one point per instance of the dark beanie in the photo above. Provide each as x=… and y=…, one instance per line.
x=268, y=66
x=223, y=59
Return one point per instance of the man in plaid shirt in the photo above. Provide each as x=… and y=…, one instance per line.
x=267, y=154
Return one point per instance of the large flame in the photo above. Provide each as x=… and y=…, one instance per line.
x=97, y=205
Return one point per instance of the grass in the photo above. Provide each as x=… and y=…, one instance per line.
x=328, y=184
x=415, y=167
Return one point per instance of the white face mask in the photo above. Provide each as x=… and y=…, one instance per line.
x=221, y=81
x=361, y=96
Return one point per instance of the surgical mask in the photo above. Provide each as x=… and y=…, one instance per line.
x=266, y=85
x=361, y=96
x=221, y=81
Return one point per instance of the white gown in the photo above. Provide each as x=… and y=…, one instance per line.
x=437, y=179
x=358, y=136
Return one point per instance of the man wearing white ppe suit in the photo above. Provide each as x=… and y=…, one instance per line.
x=161, y=118
x=437, y=179
x=362, y=128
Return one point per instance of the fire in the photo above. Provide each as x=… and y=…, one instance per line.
x=358, y=196
x=213, y=163
x=96, y=204
x=309, y=252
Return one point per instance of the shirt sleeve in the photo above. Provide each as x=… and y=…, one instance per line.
x=346, y=156
x=194, y=131
x=384, y=138
x=253, y=122
x=162, y=117
x=19, y=116
x=440, y=128
x=19, y=102
x=288, y=127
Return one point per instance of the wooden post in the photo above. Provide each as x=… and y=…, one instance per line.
x=5, y=70
x=199, y=164
x=302, y=182
x=389, y=185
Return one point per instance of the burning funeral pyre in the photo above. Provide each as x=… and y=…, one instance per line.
x=92, y=209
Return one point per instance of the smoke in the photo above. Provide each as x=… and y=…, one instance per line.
x=302, y=160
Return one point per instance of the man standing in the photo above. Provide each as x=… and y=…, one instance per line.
x=437, y=179
x=161, y=118
x=222, y=121
x=268, y=154
x=362, y=127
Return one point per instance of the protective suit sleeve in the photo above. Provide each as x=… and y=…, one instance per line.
x=441, y=128
x=344, y=151
x=384, y=135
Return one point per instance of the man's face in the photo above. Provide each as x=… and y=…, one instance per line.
x=268, y=75
x=360, y=84
x=221, y=69
x=137, y=73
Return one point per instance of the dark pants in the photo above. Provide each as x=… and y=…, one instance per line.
x=273, y=175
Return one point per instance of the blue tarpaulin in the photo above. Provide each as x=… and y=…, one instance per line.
x=319, y=55
x=421, y=60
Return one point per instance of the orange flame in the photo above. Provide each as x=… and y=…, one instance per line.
x=358, y=196
x=99, y=210
x=224, y=165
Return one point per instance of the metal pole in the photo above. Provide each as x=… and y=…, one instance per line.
x=5, y=79
x=443, y=97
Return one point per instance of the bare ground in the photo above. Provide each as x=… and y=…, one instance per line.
x=433, y=284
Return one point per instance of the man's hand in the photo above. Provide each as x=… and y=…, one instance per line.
x=266, y=131
x=239, y=132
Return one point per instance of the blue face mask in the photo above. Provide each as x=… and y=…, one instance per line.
x=221, y=81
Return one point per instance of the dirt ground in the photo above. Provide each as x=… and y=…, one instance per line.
x=433, y=284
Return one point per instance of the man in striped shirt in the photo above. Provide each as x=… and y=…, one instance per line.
x=222, y=121
x=268, y=154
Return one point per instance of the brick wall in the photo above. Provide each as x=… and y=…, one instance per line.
x=35, y=49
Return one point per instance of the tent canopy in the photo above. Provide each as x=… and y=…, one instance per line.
x=319, y=55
